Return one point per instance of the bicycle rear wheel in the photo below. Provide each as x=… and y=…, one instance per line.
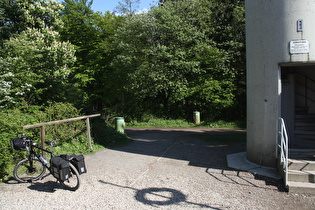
x=73, y=183
x=29, y=170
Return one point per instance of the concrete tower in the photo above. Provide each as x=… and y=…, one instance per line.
x=280, y=43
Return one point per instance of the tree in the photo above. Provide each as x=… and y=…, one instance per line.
x=224, y=23
x=127, y=7
x=92, y=34
x=36, y=60
x=162, y=56
x=18, y=15
x=173, y=61
x=5, y=89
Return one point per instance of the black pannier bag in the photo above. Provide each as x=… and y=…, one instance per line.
x=19, y=144
x=77, y=161
x=60, y=168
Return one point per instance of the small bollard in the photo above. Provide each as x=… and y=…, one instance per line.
x=196, y=117
x=120, y=124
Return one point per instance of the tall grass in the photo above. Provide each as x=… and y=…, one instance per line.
x=157, y=122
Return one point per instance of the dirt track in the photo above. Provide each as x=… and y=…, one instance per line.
x=162, y=168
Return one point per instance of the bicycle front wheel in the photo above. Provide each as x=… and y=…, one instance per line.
x=29, y=170
x=73, y=183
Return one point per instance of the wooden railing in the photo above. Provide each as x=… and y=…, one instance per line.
x=42, y=127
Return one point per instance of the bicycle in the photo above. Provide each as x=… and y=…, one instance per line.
x=34, y=166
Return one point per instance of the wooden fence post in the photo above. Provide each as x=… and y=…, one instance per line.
x=42, y=139
x=42, y=128
x=88, y=130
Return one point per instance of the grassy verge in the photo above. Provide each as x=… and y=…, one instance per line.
x=155, y=122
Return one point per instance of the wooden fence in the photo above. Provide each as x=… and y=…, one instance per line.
x=42, y=127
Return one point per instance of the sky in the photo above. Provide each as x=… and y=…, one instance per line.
x=109, y=5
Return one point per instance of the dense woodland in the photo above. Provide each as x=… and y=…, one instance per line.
x=58, y=60
x=178, y=57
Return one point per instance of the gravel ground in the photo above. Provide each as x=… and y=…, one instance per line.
x=161, y=168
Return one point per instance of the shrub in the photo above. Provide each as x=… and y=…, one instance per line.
x=12, y=120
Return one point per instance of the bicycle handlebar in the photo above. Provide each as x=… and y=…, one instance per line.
x=28, y=139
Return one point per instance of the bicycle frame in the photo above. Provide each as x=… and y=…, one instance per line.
x=33, y=153
x=68, y=175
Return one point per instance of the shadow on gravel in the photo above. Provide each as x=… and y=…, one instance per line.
x=49, y=186
x=159, y=196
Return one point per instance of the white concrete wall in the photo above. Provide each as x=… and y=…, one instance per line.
x=270, y=26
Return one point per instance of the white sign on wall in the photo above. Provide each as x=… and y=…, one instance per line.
x=299, y=46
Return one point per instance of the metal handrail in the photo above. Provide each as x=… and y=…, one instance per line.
x=284, y=149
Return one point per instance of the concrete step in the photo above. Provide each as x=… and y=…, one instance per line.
x=301, y=176
x=301, y=165
x=301, y=187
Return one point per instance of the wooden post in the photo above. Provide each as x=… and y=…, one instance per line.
x=88, y=130
x=42, y=139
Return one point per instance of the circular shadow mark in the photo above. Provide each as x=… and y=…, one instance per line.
x=160, y=196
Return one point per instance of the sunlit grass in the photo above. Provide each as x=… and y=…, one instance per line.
x=164, y=123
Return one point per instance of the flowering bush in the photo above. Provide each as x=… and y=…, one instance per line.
x=35, y=61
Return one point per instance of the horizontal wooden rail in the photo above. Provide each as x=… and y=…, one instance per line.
x=59, y=121
x=42, y=126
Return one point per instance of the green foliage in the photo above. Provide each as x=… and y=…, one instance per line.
x=18, y=15
x=64, y=132
x=105, y=134
x=176, y=58
x=173, y=61
x=12, y=120
x=181, y=56
x=151, y=121
x=93, y=35
x=10, y=123
x=76, y=147
x=33, y=56
x=71, y=137
x=163, y=123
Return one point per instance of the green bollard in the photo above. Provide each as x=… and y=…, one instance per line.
x=196, y=117
x=120, y=124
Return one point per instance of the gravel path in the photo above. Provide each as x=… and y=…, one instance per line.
x=162, y=168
